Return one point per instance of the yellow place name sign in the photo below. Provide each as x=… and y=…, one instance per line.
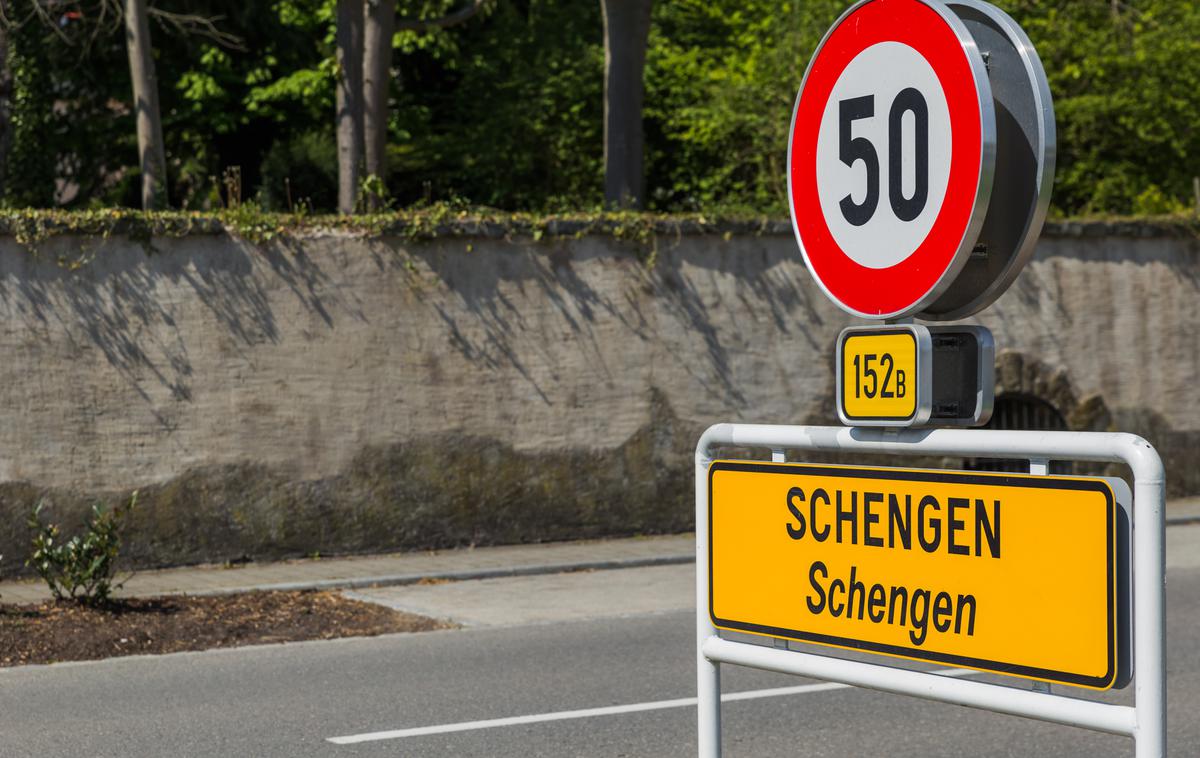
x=878, y=374
x=1008, y=573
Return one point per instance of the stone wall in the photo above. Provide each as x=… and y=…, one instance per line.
x=337, y=393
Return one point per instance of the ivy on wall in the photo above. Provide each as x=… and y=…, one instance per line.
x=30, y=227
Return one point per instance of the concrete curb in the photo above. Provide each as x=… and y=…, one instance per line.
x=396, y=580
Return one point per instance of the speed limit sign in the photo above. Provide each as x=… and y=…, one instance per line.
x=895, y=150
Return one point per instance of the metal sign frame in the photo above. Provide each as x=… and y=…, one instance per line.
x=1145, y=721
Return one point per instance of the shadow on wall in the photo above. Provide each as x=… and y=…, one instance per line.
x=666, y=290
x=114, y=297
x=125, y=301
x=487, y=326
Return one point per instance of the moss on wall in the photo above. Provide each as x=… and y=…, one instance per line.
x=437, y=492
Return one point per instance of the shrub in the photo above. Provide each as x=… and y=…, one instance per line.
x=83, y=567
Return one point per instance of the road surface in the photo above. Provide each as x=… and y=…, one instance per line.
x=527, y=663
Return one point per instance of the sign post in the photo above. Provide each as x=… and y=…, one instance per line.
x=920, y=161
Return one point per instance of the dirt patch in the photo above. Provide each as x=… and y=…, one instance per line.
x=66, y=631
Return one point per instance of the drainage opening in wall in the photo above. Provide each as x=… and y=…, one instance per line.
x=1026, y=412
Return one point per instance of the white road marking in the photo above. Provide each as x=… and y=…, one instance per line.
x=584, y=713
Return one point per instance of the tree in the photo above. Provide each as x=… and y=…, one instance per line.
x=506, y=111
x=5, y=101
x=364, y=57
x=81, y=26
x=721, y=80
x=151, y=154
x=349, y=101
x=626, y=30
x=29, y=163
x=152, y=158
x=1124, y=78
x=377, y=64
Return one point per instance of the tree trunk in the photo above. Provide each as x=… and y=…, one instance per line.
x=377, y=64
x=626, y=31
x=5, y=103
x=349, y=101
x=151, y=155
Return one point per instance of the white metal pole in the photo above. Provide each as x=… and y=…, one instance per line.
x=1040, y=467
x=708, y=673
x=1149, y=600
x=1101, y=717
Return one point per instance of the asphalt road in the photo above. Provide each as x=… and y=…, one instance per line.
x=289, y=700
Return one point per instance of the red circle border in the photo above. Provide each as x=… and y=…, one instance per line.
x=907, y=286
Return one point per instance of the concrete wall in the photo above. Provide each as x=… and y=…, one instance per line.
x=337, y=393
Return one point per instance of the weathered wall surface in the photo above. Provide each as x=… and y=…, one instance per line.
x=338, y=393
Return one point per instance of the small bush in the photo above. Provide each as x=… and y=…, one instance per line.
x=83, y=567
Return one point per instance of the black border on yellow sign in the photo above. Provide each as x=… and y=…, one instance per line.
x=841, y=365
x=1106, y=681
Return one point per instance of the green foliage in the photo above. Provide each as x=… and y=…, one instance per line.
x=722, y=76
x=506, y=109
x=1124, y=78
x=69, y=145
x=81, y=568
x=721, y=79
x=30, y=173
x=372, y=195
x=300, y=174
x=437, y=220
x=232, y=106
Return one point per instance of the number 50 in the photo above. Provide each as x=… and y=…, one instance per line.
x=854, y=149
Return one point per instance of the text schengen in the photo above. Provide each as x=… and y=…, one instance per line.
x=912, y=522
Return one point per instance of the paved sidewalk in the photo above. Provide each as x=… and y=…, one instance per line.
x=547, y=598
x=1183, y=511
x=393, y=569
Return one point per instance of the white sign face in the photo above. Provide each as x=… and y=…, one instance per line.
x=883, y=154
x=891, y=156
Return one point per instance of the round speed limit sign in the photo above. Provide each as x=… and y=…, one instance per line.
x=891, y=156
